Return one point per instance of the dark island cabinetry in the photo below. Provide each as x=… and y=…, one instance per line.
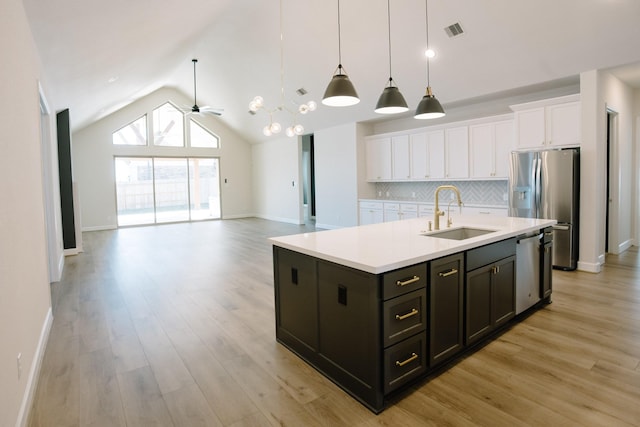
x=376, y=334
x=490, y=288
x=446, y=299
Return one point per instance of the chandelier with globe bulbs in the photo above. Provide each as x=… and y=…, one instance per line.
x=257, y=103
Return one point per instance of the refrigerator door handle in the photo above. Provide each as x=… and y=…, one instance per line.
x=538, y=186
x=564, y=227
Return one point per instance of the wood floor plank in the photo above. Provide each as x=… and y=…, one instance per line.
x=142, y=401
x=176, y=323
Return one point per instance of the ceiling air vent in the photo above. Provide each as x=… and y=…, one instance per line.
x=454, y=30
x=301, y=91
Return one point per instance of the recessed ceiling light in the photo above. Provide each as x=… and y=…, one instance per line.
x=112, y=79
x=429, y=53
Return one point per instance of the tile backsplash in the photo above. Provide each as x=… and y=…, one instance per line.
x=473, y=192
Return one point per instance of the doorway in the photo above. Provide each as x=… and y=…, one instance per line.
x=611, y=236
x=308, y=180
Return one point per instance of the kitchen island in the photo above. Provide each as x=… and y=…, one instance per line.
x=376, y=308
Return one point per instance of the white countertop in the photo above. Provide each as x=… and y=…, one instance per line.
x=379, y=248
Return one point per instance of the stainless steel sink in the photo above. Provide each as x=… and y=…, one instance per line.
x=461, y=233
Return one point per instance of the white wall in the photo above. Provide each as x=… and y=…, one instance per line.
x=336, y=171
x=93, y=166
x=599, y=91
x=25, y=298
x=277, y=178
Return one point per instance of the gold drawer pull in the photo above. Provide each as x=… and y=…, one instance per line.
x=413, y=312
x=414, y=279
x=409, y=360
x=448, y=273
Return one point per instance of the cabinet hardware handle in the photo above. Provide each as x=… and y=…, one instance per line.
x=409, y=360
x=495, y=269
x=413, y=312
x=448, y=273
x=414, y=279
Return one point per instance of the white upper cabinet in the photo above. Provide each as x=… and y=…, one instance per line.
x=490, y=145
x=378, y=155
x=555, y=124
x=400, y=156
x=427, y=155
x=456, y=145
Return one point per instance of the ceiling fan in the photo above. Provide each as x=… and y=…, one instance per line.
x=195, y=109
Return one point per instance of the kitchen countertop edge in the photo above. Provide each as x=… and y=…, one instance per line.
x=380, y=248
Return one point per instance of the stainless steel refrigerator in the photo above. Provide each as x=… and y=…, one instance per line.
x=546, y=184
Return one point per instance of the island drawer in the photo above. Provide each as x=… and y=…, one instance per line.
x=487, y=254
x=401, y=281
x=404, y=316
x=404, y=362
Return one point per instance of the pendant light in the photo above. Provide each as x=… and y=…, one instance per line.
x=429, y=107
x=391, y=100
x=340, y=91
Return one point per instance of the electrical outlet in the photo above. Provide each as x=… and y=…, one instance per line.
x=413, y=194
x=505, y=197
x=19, y=361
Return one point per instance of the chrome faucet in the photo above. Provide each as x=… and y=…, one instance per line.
x=438, y=213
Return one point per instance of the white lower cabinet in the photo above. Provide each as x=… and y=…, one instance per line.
x=399, y=211
x=479, y=210
x=371, y=213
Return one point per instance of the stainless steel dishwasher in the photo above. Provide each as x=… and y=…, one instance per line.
x=527, y=271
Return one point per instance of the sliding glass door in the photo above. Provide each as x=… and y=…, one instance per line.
x=158, y=190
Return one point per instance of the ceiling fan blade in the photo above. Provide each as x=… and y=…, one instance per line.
x=212, y=110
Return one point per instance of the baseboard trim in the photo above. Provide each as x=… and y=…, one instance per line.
x=589, y=267
x=238, y=216
x=100, y=228
x=279, y=219
x=328, y=226
x=34, y=372
x=624, y=246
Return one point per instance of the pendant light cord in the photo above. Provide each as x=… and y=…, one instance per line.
x=426, y=20
x=389, y=32
x=281, y=59
x=339, y=44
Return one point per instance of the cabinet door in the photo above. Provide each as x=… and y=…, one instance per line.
x=349, y=322
x=530, y=128
x=482, y=150
x=370, y=216
x=478, y=303
x=419, y=154
x=545, y=273
x=503, y=145
x=563, y=124
x=446, y=307
x=435, y=155
x=378, y=155
x=400, y=158
x=504, y=291
x=457, y=152
x=296, y=296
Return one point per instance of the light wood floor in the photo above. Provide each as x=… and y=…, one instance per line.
x=174, y=325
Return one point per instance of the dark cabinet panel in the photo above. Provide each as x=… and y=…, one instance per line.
x=545, y=273
x=349, y=326
x=296, y=296
x=446, y=290
x=404, y=280
x=478, y=303
x=404, y=362
x=404, y=316
x=490, y=288
x=504, y=291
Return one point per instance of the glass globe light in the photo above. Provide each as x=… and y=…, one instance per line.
x=258, y=101
x=253, y=106
x=290, y=131
x=303, y=109
x=298, y=129
x=312, y=105
x=275, y=127
x=267, y=130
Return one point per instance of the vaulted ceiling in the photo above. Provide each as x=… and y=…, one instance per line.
x=99, y=56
